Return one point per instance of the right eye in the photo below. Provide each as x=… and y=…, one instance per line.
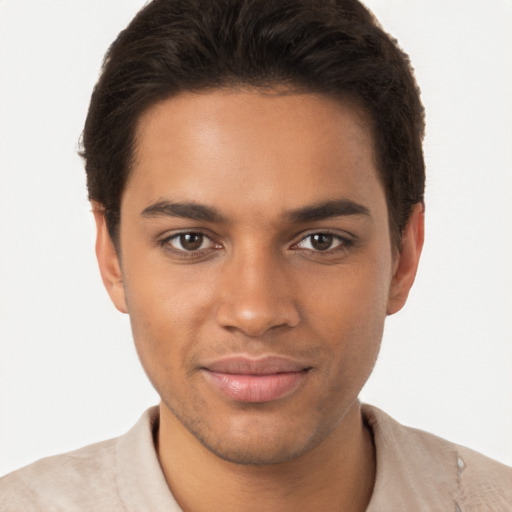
x=189, y=243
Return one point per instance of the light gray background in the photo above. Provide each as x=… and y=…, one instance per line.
x=68, y=372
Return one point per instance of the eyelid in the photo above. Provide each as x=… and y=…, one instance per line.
x=346, y=240
x=170, y=234
x=165, y=240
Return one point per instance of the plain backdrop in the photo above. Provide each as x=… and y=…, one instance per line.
x=69, y=374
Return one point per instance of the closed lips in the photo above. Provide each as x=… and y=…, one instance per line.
x=256, y=380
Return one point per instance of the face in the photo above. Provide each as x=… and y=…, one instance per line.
x=256, y=266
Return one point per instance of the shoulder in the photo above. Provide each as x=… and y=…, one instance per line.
x=419, y=468
x=110, y=476
x=485, y=483
x=77, y=480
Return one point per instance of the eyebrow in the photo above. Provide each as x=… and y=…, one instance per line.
x=191, y=210
x=326, y=210
x=200, y=212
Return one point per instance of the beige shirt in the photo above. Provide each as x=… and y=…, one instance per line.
x=416, y=472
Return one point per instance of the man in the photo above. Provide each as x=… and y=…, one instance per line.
x=256, y=175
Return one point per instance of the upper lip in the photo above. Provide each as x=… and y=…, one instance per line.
x=245, y=365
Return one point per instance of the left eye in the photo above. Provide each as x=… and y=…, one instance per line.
x=321, y=242
x=190, y=242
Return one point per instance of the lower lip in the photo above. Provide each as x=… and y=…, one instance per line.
x=256, y=388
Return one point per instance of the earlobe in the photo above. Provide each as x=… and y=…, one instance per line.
x=407, y=259
x=108, y=261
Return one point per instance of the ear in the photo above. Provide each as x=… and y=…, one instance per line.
x=108, y=260
x=407, y=259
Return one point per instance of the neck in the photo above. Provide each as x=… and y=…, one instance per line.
x=336, y=475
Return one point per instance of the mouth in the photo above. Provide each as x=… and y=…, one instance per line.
x=245, y=379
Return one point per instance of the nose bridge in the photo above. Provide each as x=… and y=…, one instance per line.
x=256, y=292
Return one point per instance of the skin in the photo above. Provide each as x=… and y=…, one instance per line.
x=259, y=285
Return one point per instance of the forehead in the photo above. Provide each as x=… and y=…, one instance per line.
x=249, y=151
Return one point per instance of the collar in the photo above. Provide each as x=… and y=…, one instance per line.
x=415, y=470
x=140, y=480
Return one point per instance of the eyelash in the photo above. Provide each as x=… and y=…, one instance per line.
x=344, y=243
x=182, y=253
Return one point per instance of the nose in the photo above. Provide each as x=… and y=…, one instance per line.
x=256, y=295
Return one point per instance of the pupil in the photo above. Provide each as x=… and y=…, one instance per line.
x=321, y=241
x=191, y=241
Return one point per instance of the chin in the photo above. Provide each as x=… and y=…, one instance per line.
x=258, y=453
x=254, y=439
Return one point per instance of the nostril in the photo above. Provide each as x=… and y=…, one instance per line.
x=254, y=320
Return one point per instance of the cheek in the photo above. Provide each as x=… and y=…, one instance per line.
x=162, y=291
x=167, y=308
x=348, y=312
x=347, y=298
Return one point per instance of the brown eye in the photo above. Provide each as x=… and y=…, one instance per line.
x=321, y=241
x=324, y=242
x=193, y=245
x=191, y=241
